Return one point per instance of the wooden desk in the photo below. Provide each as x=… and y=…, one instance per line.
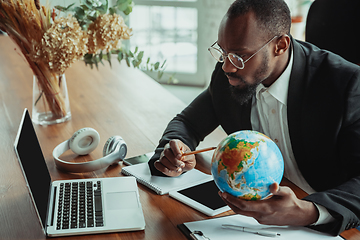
x=119, y=101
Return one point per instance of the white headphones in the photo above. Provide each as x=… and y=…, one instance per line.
x=83, y=142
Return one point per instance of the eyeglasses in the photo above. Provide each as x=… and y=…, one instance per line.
x=236, y=60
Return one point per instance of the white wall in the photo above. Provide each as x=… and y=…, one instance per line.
x=210, y=18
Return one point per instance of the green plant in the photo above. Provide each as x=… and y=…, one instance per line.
x=88, y=12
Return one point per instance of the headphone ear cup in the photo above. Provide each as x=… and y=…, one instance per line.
x=84, y=141
x=115, y=143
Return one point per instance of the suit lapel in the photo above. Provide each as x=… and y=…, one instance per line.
x=295, y=99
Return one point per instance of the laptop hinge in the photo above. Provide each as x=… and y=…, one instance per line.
x=52, y=201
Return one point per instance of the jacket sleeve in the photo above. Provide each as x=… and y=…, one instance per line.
x=343, y=200
x=343, y=203
x=190, y=126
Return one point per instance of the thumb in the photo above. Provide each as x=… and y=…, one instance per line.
x=275, y=188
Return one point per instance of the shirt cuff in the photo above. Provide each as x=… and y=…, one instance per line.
x=324, y=216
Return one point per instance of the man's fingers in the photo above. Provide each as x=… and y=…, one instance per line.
x=169, y=159
x=170, y=165
x=234, y=201
x=175, y=147
x=169, y=171
x=245, y=205
x=239, y=209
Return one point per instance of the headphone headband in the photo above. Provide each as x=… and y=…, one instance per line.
x=83, y=142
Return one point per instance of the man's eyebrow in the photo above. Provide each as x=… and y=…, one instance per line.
x=234, y=50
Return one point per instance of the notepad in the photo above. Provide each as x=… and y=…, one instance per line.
x=163, y=185
x=212, y=228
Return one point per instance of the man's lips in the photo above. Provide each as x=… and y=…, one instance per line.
x=234, y=80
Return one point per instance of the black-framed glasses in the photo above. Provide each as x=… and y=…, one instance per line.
x=235, y=59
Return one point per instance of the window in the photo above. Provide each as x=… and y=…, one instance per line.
x=169, y=30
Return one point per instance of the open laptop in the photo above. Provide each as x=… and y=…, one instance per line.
x=75, y=207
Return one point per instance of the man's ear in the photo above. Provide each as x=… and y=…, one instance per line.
x=282, y=45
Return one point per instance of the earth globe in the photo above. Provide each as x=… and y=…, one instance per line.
x=246, y=163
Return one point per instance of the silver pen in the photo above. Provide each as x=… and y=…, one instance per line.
x=251, y=230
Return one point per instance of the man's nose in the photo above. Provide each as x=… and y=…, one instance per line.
x=228, y=66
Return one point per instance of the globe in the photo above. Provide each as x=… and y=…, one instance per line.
x=246, y=163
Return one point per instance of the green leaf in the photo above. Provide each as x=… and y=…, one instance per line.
x=87, y=57
x=160, y=74
x=120, y=56
x=108, y=54
x=102, y=9
x=130, y=54
x=91, y=18
x=134, y=63
x=91, y=66
x=84, y=7
x=61, y=8
x=124, y=6
x=128, y=10
x=112, y=10
x=156, y=65
x=137, y=63
x=88, y=4
x=79, y=13
x=101, y=58
x=127, y=61
x=162, y=66
x=140, y=56
x=116, y=51
x=64, y=9
x=132, y=59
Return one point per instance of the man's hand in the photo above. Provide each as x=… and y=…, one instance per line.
x=283, y=208
x=171, y=161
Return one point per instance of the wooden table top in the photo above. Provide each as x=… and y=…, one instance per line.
x=114, y=101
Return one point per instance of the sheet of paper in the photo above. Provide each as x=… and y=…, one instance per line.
x=212, y=229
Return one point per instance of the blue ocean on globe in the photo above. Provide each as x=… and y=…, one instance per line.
x=246, y=163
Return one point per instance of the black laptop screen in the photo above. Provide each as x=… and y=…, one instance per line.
x=34, y=166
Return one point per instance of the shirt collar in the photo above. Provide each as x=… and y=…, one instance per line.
x=279, y=89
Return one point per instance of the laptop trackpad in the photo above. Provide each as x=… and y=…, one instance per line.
x=121, y=200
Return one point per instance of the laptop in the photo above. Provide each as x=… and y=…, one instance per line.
x=76, y=207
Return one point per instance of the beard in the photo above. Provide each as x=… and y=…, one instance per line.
x=243, y=94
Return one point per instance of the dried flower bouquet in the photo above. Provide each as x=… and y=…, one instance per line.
x=51, y=43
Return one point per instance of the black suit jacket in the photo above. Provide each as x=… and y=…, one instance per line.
x=324, y=126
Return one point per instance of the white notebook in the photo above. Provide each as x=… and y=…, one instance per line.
x=212, y=228
x=163, y=185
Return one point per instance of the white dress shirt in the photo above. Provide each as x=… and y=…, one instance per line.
x=269, y=116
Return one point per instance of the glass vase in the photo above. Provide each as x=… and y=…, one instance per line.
x=50, y=99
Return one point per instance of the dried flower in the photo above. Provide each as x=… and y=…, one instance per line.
x=106, y=33
x=61, y=45
x=37, y=4
x=50, y=44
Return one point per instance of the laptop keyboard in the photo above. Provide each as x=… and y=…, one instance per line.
x=80, y=205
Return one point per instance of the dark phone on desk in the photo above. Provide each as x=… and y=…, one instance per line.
x=138, y=159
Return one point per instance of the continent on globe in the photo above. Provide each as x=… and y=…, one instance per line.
x=235, y=155
x=246, y=163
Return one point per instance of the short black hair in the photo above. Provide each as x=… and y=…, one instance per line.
x=273, y=15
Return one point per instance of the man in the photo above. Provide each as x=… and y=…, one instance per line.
x=305, y=99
